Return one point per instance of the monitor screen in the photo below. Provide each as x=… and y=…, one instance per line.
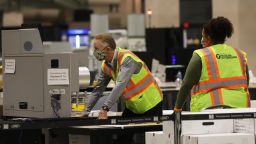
x=77, y=41
x=78, y=37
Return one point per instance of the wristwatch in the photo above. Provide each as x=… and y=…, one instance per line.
x=105, y=108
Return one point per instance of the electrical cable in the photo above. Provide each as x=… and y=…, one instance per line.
x=55, y=106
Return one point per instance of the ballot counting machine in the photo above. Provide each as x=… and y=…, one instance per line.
x=39, y=84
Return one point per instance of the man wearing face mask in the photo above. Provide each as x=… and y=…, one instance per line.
x=134, y=82
x=217, y=75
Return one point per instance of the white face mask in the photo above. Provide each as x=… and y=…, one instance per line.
x=100, y=55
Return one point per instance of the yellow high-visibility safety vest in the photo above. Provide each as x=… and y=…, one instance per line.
x=223, y=79
x=142, y=92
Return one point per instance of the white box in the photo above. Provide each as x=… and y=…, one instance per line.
x=232, y=110
x=168, y=127
x=241, y=125
x=79, y=139
x=167, y=112
x=244, y=125
x=253, y=103
x=224, y=138
x=158, y=137
x=239, y=120
x=207, y=126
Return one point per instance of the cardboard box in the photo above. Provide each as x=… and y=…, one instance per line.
x=158, y=137
x=224, y=138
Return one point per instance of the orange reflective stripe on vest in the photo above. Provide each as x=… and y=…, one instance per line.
x=212, y=68
x=135, y=89
x=158, y=89
x=213, y=73
x=133, y=85
x=241, y=60
x=107, y=70
x=214, y=82
x=141, y=93
x=248, y=103
x=120, y=56
x=130, y=84
x=243, y=69
x=206, y=86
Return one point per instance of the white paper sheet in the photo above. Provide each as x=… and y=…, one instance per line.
x=57, y=77
x=9, y=66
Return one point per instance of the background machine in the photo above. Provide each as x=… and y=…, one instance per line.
x=37, y=83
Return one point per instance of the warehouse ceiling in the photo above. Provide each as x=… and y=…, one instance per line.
x=20, y=4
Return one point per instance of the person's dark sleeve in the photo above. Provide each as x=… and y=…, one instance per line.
x=247, y=74
x=192, y=76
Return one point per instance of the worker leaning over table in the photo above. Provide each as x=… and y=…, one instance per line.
x=134, y=82
x=217, y=75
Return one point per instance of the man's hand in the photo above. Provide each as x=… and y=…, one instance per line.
x=86, y=114
x=103, y=114
x=177, y=109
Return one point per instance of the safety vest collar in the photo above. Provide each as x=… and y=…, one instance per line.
x=121, y=53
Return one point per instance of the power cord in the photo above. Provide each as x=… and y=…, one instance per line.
x=55, y=104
